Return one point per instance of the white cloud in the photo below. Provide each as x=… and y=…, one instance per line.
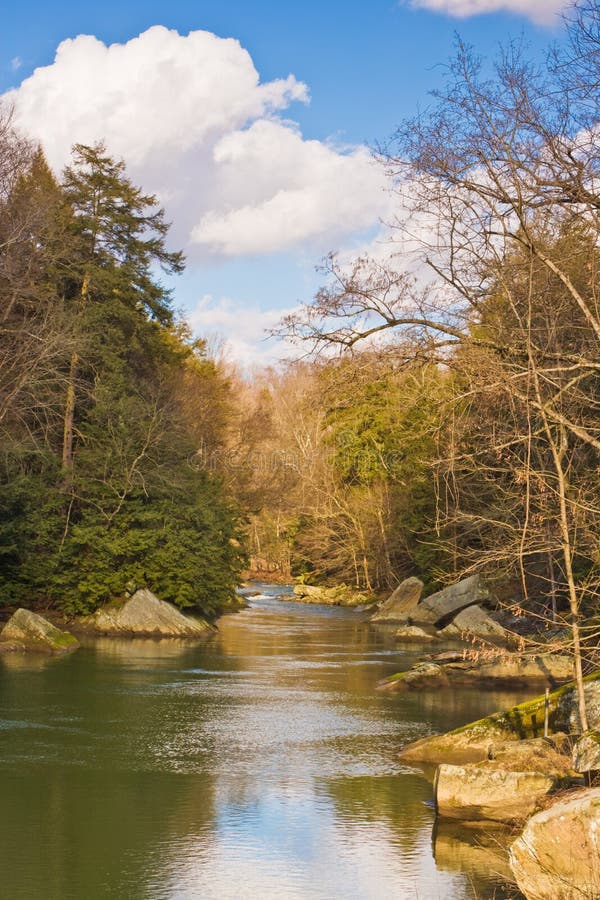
x=543, y=12
x=283, y=189
x=160, y=93
x=195, y=125
x=243, y=328
x=16, y=63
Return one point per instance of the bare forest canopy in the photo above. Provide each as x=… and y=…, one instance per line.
x=457, y=429
x=465, y=415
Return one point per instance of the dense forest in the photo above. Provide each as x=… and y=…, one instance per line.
x=446, y=422
x=105, y=398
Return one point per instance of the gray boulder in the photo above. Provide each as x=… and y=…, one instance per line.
x=441, y=608
x=401, y=603
x=483, y=792
x=568, y=711
x=26, y=630
x=475, y=621
x=144, y=614
x=586, y=752
x=557, y=856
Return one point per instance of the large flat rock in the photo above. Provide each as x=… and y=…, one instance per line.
x=474, y=793
x=475, y=741
x=439, y=609
x=506, y=670
x=557, y=856
x=144, y=614
x=26, y=630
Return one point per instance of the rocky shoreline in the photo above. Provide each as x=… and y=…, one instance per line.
x=502, y=770
x=140, y=615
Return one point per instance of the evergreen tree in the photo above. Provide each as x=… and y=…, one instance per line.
x=101, y=484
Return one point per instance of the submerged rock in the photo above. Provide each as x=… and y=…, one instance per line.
x=26, y=630
x=401, y=603
x=144, y=614
x=414, y=634
x=478, y=792
x=558, y=855
x=422, y=675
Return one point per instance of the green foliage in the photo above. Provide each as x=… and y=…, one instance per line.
x=131, y=503
x=183, y=547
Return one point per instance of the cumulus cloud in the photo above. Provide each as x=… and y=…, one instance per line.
x=543, y=12
x=195, y=124
x=283, y=189
x=161, y=92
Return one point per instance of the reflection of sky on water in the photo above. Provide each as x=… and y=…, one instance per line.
x=260, y=764
x=286, y=844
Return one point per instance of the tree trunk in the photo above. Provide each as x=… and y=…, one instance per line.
x=69, y=416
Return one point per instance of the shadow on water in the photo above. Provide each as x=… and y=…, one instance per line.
x=260, y=763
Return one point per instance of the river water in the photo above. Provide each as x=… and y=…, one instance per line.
x=261, y=764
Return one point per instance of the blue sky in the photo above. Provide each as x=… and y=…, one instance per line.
x=260, y=174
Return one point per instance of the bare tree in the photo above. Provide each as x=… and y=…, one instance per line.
x=499, y=194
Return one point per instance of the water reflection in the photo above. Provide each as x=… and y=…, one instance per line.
x=476, y=851
x=260, y=763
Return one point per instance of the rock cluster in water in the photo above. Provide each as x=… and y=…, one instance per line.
x=454, y=612
x=142, y=615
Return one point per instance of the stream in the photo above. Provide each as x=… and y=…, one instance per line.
x=260, y=764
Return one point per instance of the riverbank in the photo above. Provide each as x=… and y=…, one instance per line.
x=529, y=766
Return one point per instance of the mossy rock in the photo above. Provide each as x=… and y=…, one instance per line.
x=508, y=670
x=29, y=631
x=339, y=595
x=473, y=742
